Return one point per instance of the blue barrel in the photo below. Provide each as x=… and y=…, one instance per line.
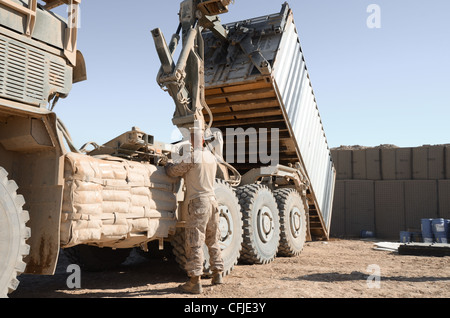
x=440, y=230
x=427, y=231
x=367, y=234
x=405, y=237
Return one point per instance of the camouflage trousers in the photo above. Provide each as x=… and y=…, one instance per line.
x=202, y=227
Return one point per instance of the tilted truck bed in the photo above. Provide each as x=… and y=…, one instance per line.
x=244, y=92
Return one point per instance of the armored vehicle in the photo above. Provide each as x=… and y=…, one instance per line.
x=245, y=83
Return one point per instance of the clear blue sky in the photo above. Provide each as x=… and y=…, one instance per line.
x=373, y=86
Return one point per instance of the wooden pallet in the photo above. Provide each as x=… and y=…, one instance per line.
x=425, y=249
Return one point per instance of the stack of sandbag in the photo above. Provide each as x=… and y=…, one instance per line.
x=109, y=200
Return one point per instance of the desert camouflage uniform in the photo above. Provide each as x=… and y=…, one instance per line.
x=202, y=225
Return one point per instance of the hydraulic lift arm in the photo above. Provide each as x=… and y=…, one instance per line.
x=184, y=80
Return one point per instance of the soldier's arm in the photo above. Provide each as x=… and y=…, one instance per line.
x=178, y=169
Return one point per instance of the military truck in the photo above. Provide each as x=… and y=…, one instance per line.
x=237, y=80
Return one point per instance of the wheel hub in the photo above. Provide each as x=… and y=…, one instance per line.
x=225, y=226
x=295, y=222
x=266, y=225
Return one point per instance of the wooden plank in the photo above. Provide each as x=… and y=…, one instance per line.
x=242, y=95
x=245, y=105
x=425, y=249
x=248, y=87
x=245, y=114
x=239, y=122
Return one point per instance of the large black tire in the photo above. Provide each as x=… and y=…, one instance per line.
x=293, y=222
x=13, y=235
x=230, y=228
x=261, y=224
x=178, y=247
x=95, y=259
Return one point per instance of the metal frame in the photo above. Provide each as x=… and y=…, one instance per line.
x=71, y=33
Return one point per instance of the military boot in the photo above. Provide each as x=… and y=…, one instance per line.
x=193, y=286
x=217, y=278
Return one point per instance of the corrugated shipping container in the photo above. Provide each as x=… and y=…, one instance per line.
x=263, y=82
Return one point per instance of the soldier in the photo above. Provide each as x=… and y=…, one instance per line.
x=198, y=169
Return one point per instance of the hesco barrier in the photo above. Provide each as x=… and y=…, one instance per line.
x=430, y=162
x=389, y=190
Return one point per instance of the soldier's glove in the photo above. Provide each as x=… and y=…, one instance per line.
x=163, y=161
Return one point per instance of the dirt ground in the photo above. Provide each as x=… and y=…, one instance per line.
x=333, y=269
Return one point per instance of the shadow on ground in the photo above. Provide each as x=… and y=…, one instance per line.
x=137, y=276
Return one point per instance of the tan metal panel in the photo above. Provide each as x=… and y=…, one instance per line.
x=373, y=164
x=420, y=201
x=388, y=162
x=420, y=163
x=359, y=164
x=389, y=209
x=344, y=168
x=359, y=207
x=447, y=161
x=339, y=215
x=436, y=163
x=403, y=164
x=444, y=198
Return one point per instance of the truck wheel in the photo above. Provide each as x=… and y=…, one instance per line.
x=13, y=234
x=178, y=248
x=293, y=222
x=230, y=226
x=261, y=224
x=230, y=231
x=96, y=259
